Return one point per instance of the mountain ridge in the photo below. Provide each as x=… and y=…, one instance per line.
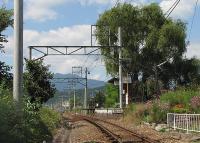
x=62, y=85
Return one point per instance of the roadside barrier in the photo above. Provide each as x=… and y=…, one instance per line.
x=186, y=122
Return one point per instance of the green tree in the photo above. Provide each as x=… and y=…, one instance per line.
x=148, y=39
x=6, y=20
x=111, y=95
x=100, y=99
x=5, y=75
x=6, y=17
x=37, y=81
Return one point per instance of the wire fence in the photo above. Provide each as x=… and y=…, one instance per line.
x=186, y=122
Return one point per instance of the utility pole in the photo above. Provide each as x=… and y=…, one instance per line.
x=120, y=68
x=18, y=50
x=86, y=86
x=127, y=88
x=30, y=53
x=74, y=98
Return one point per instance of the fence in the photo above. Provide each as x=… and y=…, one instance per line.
x=109, y=111
x=187, y=122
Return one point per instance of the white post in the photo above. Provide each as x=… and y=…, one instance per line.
x=174, y=121
x=187, y=123
x=74, y=99
x=18, y=50
x=120, y=68
x=86, y=86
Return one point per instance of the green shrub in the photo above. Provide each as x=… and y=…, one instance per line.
x=111, y=95
x=50, y=118
x=158, y=114
x=181, y=96
x=136, y=113
x=179, y=110
x=25, y=125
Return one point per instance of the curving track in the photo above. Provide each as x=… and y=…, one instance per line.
x=116, y=133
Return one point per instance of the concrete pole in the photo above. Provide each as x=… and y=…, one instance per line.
x=30, y=53
x=127, y=94
x=74, y=99
x=120, y=68
x=18, y=50
x=86, y=86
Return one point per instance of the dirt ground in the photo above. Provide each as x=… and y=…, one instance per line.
x=83, y=132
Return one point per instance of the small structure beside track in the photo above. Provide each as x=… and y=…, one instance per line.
x=109, y=111
x=102, y=111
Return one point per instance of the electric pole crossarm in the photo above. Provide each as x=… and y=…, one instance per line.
x=68, y=82
x=68, y=78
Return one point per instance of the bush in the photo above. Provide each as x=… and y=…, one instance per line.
x=177, y=109
x=136, y=113
x=180, y=101
x=50, y=118
x=181, y=96
x=111, y=95
x=159, y=112
x=26, y=125
x=195, y=104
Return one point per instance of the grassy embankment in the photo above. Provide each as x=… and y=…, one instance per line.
x=183, y=100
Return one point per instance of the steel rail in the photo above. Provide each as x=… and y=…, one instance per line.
x=143, y=139
x=115, y=138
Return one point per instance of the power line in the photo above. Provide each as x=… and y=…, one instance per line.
x=117, y=2
x=195, y=10
x=172, y=8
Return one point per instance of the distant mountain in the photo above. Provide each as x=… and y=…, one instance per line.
x=60, y=86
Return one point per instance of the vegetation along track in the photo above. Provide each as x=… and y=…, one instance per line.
x=116, y=133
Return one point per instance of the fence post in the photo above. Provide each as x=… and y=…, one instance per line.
x=174, y=121
x=167, y=119
x=187, y=124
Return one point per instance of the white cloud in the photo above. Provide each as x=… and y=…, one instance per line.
x=41, y=10
x=68, y=36
x=184, y=9
x=89, y=2
x=96, y=77
x=193, y=50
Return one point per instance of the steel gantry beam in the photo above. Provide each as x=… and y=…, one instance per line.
x=65, y=50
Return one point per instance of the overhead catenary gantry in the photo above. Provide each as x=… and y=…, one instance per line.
x=43, y=51
x=65, y=51
x=77, y=78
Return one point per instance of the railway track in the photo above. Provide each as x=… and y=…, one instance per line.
x=116, y=133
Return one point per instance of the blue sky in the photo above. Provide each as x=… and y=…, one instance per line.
x=67, y=22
